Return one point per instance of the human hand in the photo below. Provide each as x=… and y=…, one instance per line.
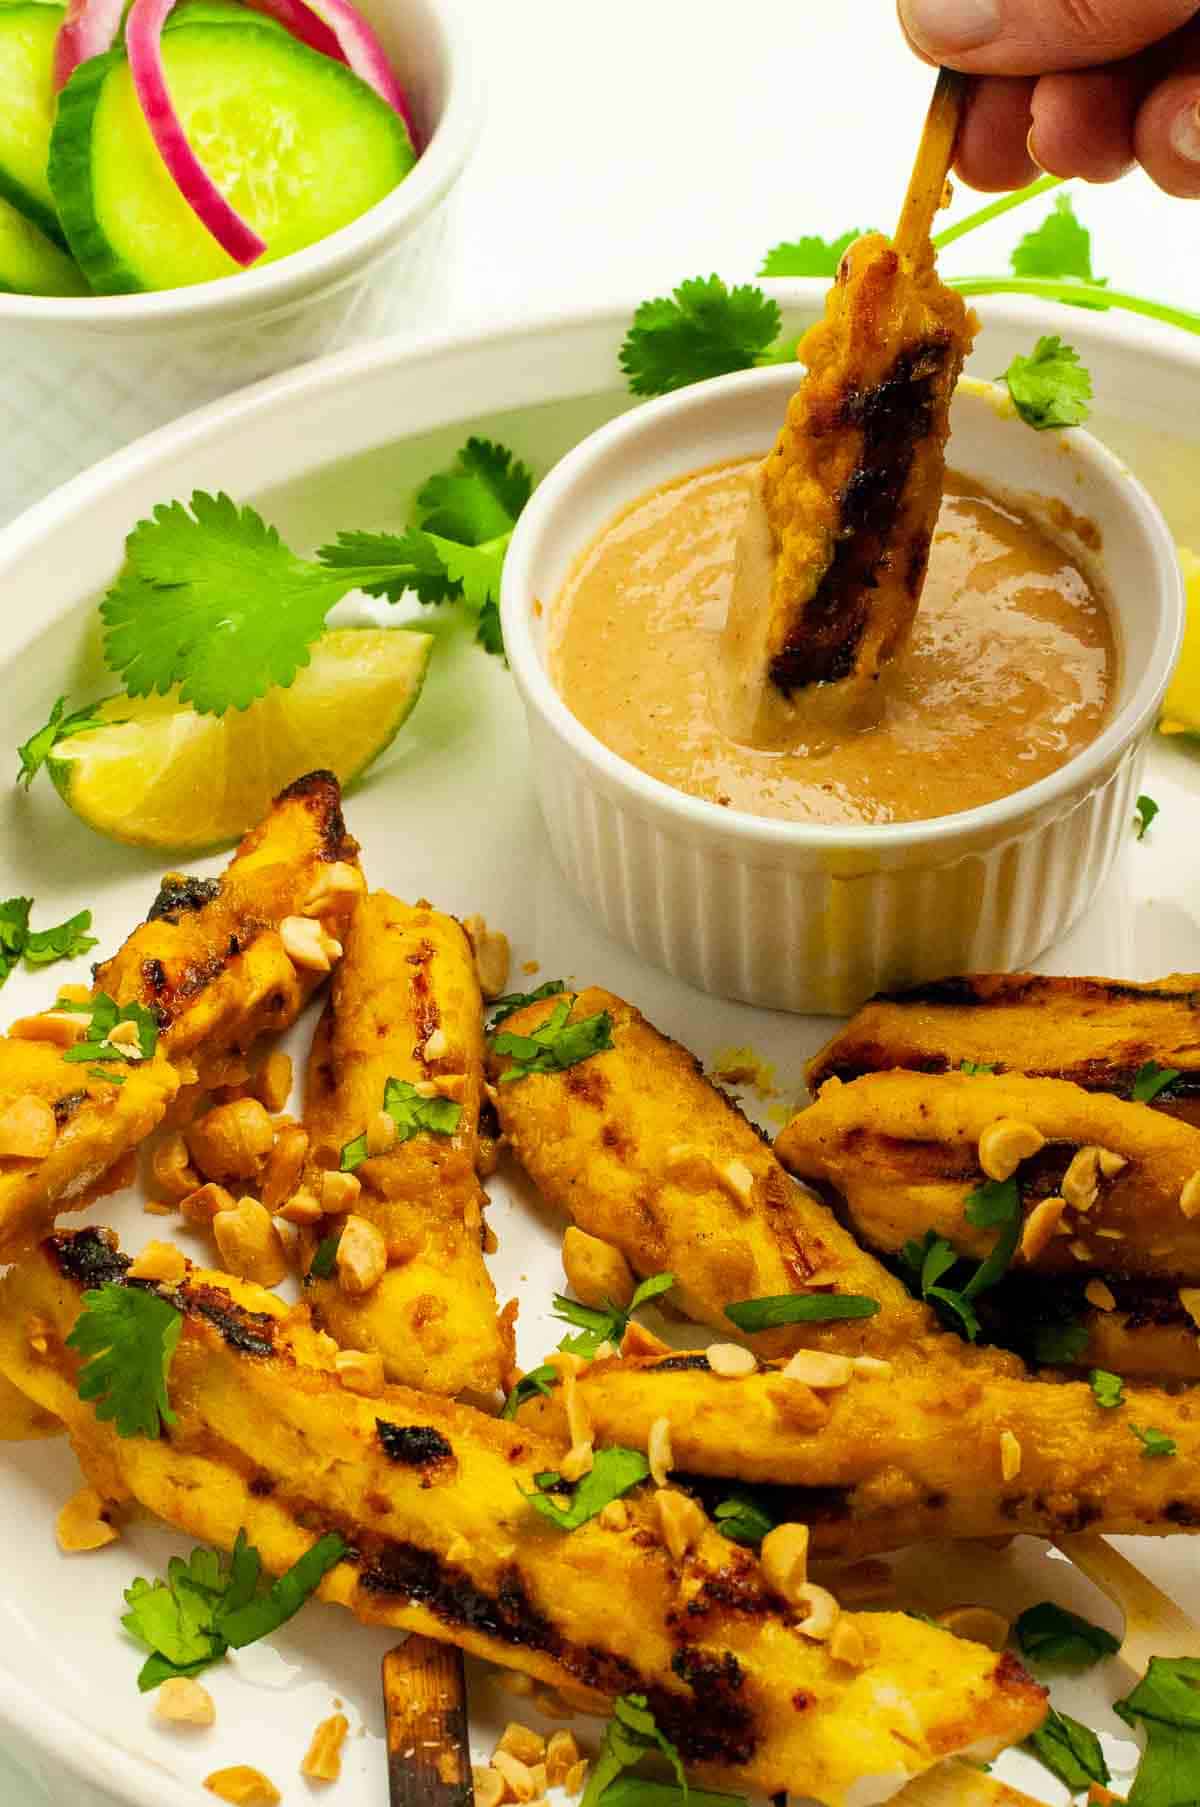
x=1073, y=87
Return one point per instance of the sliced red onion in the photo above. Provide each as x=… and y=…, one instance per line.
x=302, y=23
x=143, y=41
x=364, y=53
x=89, y=29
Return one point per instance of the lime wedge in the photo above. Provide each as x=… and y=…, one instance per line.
x=1181, y=705
x=163, y=776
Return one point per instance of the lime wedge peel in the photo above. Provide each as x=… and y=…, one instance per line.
x=1181, y=705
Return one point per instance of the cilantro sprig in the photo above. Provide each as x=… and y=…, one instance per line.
x=412, y=1114
x=39, y=947
x=703, y=329
x=614, y=1472
x=104, y=1015
x=1051, y=387
x=1071, y=1751
x=1144, y=813
x=128, y=1337
x=204, y=1609
x=512, y=1001
x=1151, y=1079
x=594, y=1326
x=994, y=1205
x=555, y=1046
x=1108, y=1390
x=743, y=1519
x=1155, y=1443
x=631, y=1736
x=771, y=1313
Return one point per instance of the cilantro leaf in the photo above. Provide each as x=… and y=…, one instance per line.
x=479, y=498
x=1146, y=810
x=324, y=1256
x=752, y=1315
x=1166, y=1703
x=996, y=1203
x=512, y=1001
x=703, y=330
x=1060, y=1344
x=1150, y=1080
x=1070, y=1751
x=977, y=1066
x=34, y=752
x=1109, y=1389
x=810, y=256
x=1153, y=1442
x=1060, y=247
x=605, y=1324
x=930, y=1260
x=412, y=1114
x=742, y=1519
x=105, y=1016
x=402, y=562
x=1050, y=388
x=557, y=1045
x=541, y=1381
x=244, y=1622
x=631, y=1734
x=128, y=1337
x=613, y=1472
x=65, y=942
x=14, y=932
x=1047, y=1633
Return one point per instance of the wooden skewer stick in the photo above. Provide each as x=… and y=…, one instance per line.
x=958, y=1785
x=429, y=1750
x=1154, y=1625
x=935, y=158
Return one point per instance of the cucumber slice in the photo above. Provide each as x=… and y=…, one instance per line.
x=30, y=264
x=27, y=34
x=295, y=140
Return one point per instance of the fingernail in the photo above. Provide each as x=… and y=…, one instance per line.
x=1031, y=151
x=948, y=26
x=1185, y=134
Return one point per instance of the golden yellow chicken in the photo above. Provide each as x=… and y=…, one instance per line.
x=432, y=1498
x=404, y=1016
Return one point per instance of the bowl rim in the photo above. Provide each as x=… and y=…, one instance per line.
x=319, y=266
x=1070, y=784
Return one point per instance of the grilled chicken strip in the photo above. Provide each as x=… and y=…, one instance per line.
x=405, y=1005
x=1142, y=1328
x=210, y=960
x=938, y=1444
x=639, y=1149
x=1099, y=1033
x=428, y=1495
x=903, y=1151
x=851, y=491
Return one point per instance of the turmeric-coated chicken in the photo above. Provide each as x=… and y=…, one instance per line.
x=1100, y=1033
x=221, y=961
x=1116, y=1186
x=1129, y=1324
x=640, y=1150
x=405, y=1017
x=934, y=1444
x=432, y=1498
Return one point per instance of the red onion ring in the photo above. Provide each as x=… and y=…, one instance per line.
x=89, y=29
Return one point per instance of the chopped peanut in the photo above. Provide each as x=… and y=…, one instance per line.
x=871, y=1365
x=1189, y=1198
x=517, y=1776
x=284, y=1166
x=978, y=1624
x=736, y=1179
x=579, y=1419
x=173, y=1174
x=201, y=1206
x=847, y=1645
x=62, y=1027
x=307, y=945
x=658, y=1451
x=1189, y=1298
x=784, y=1558
x=1010, y=1456
x=1040, y=1227
x=492, y=956
x=822, y=1615
x=360, y=1371
x=301, y=1208
x=73, y=994
x=272, y=1084
x=1111, y=1163
x=337, y=885
x=28, y=1130
x=339, y=1193
x=182, y=1701
x=1081, y=1181
x=639, y=1341
x=818, y=1370
x=680, y=1520
x=243, y=1786
x=1005, y=1144
x=159, y=1261
x=1101, y=1296
x=614, y=1516
x=522, y=1742
x=126, y=1038
x=562, y=1754
x=579, y=1460
x=731, y=1361
x=576, y=1777
x=83, y=1523
x=381, y=1133
x=490, y=1786
x=598, y=1273
x=437, y=1046
x=323, y=1758
x=250, y=1246
x=361, y=1257
x=232, y=1141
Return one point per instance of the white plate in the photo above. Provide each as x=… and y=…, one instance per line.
x=450, y=813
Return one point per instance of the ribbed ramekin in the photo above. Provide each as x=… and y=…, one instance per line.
x=802, y=917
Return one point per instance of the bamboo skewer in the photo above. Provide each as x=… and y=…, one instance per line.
x=958, y=1785
x=935, y=159
x=1154, y=1625
x=428, y=1744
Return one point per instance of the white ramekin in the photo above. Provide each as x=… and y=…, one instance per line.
x=808, y=918
x=84, y=376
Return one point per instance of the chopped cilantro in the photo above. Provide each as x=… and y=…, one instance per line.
x=741, y=1519
x=101, y=1073
x=1049, y=1634
x=1166, y=1704
x=1150, y=1080
x=1050, y=388
x=324, y=1256
x=201, y=1610
x=1060, y=247
x=752, y=1315
x=930, y=1261
x=105, y=1015
x=1060, y=1345
x=994, y=1205
x=977, y=1066
x=1109, y=1389
x=128, y=1338
x=541, y=1381
x=631, y=1734
x=703, y=330
x=1153, y=1442
x=412, y=1114
x=65, y=942
x=613, y=1472
x=34, y=752
x=608, y=1323
x=14, y=932
x=1070, y=1751
x=1145, y=811
x=810, y=256
x=557, y=1045
x=513, y=1001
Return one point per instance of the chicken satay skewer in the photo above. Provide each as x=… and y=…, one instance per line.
x=935, y=158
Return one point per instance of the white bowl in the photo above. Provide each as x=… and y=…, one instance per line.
x=804, y=917
x=111, y=367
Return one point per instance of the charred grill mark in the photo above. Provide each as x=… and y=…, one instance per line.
x=249, y=1332
x=414, y=1445
x=715, y=1726
x=66, y=1106
x=681, y=1364
x=894, y=415
x=180, y=894
x=88, y=1258
x=1026, y=988
x=323, y=793
x=154, y=976
x=1183, y=1512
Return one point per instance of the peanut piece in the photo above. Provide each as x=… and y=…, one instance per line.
x=658, y=1451
x=323, y=1758
x=731, y=1361
x=822, y=1615
x=339, y=1193
x=250, y=1246
x=62, y=1027
x=361, y=1257
x=272, y=1084
x=492, y=956
x=784, y=1558
x=599, y=1273
x=978, y=1624
x=307, y=945
x=522, y=1742
x=680, y=1520
x=159, y=1261
x=83, y=1523
x=173, y=1174
x=182, y=1701
x=1005, y=1144
x=337, y=885
x=1010, y=1456
x=201, y=1206
x=284, y=1166
x=818, y=1370
x=243, y=1786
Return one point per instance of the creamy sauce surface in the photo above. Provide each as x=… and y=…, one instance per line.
x=1010, y=671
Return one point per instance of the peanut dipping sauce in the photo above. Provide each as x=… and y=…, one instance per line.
x=1010, y=671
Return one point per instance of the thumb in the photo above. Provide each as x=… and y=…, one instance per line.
x=1033, y=37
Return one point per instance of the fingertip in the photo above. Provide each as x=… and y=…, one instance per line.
x=993, y=153
x=1083, y=124
x=1167, y=136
